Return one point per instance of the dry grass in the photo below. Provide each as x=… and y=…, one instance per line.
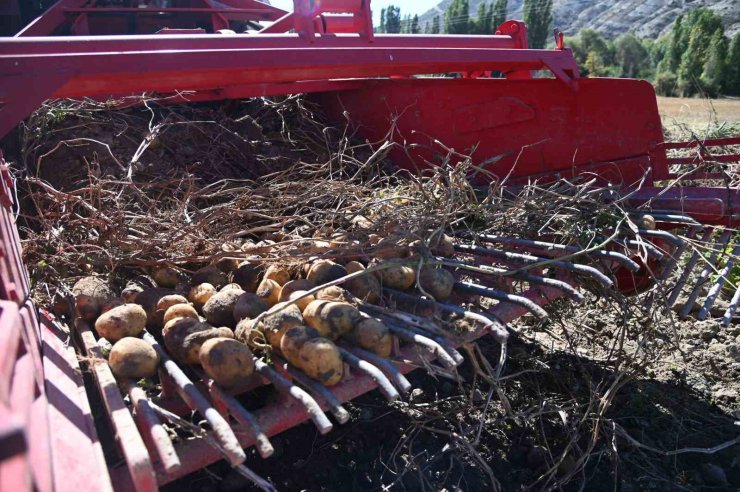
x=697, y=112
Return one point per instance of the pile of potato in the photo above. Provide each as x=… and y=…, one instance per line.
x=224, y=311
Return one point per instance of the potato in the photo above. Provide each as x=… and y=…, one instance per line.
x=391, y=247
x=179, y=311
x=293, y=286
x=232, y=285
x=292, y=341
x=646, y=222
x=210, y=275
x=148, y=299
x=331, y=319
x=365, y=287
x=323, y=271
x=278, y=273
x=335, y=293
x=200, y=294
x=303, y=301
x=275, y=325
x=184, y=338
x=91, y=294
x=442, y=245
x=227, y=265
x=165, y=277
x=127, y=320
x=437, y=281
x=111, y=304
x=133, y=358
x=226, y=361
x=219, y=310
x=190, y=348
x=171, y=323
x=398, y=276
x=354, y=266
x=130, y=292
x=164, y=303
x=248, y=275
x=269, y=291
x=251, y=336
x=320, y=360
x=248, y=305
x=372, y=335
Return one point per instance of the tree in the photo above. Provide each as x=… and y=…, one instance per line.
x=435, y=25
x=631, y=57
x=714, y=73
x=732, y=77
x=538, y=17
x=427, y=28
x=382, y=21
x=393, y=19
x=701, y=24
x=500, y=12
x=457, y=17
x=406, y=24
x=481, y=22
x=676, y=47
x=415, y=25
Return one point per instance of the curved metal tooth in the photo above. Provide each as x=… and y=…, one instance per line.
x=388, y=367
x=289, y=389
x=675, y=240
x=714, y=291
x=704, y=275
x=651, y=249
x=530, y=259
x=335, y=406
x=690, y=265
x=430, y=345
x=727, y=318
x=195, y=400
x=475, y=289
x=624, y=260
x=384, y=385
x=676, y=256
x=670, y=218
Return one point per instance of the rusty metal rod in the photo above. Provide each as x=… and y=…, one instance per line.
x=667, y=236
x=498, y=295
x=430, y=345
x=714, y=291
x=290, y=390
x=704, y=275
x=649, y=247
x=690, y=265
x=399, y=380
x=384, y=384
x=332, y=402
x=222, y=431
x=670, y=218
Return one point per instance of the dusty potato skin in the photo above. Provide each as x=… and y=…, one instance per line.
x=331, y=319
x=179, y=311
x=190, y=350
x=165, y=277
x=397, y=276
x=254, y=337
x=184, y=338
x=335, y=293
x=199, y=294
x=442, y=245
x=210, y=275
x=275, y=325
x=227, y=361
x=248, y=275
x=354, y=267
x=219, y=310
x=437, y=281
x=364, y=287
x=320, y=360
x=269, y=292
x=323, y=271
x=391, y=247
x=129, y=293
x=278, y=273
x=133, y=358
x=292, y=341
x=232, y=285
x=372, y=335
x=293, y=286
x=127, y=320
x=248, y=305
x=91, y=294
x=148, y=299
x=164, y=303
x=303, y=302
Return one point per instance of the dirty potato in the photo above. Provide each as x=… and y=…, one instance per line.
x=127, y=320
x=269, y=291
x=278, y=273
x=199, y=294
x=227, y=361
x=293, y=340
x=219, y=310
x=397, y=275
x=372, y=335
x=133, y=358
x=248, y=305
x=165, y=277
x=323, y=271
x=320, y=360
x=331, y=319
x=179, y=311
x=210, y=275
x=281, y=319
x=91, y=294
x=437, y=281
x=293, y=286
x=301, y=302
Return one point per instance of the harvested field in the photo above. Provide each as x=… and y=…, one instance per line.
x=701, y=115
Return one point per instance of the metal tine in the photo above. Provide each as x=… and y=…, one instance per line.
x=430, y=345
x=388, y=367
x=620, y=258
x=384, y=384
x=480, y=290
x=727, y=318
x=222, y=431
x=670, y=218
x=671, y=238
x=335, y=406
x=284, y=386
x=714, y=291
x=676, y=256
x=530, y=259
x=568, y=289
x=704, y=275
x=690, y=265
x=155, y=432
x=650, y=248
x=240, y=414
x=497, y=328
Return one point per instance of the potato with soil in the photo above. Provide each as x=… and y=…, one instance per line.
x=269, y=292
x=133, y=358
x=129, y=293
x=228, y=264
x=372, y=335
x=335, y=293
x=301, y=302
x=148, y=299
x=184, y=339
x=245, y=333
x=278, y=273
x=294, y=286
x=128, y=320
x=331, y=319
x=165, y=277
x=293, y=340
x=219, y=310
x=281, y=320
x=441, y=244
x=248, y=305
x=227, y=361
x=248, y=275
x=166, y=302
x=396, y=275
x=199, y=294
x=210, y=275
x=91, y=294
x=364, y=287
x=177, y=311
x=232, y=285
x=320, y=359
x=323, y=271
x=437, y=281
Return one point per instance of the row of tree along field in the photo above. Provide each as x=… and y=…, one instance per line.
x=694, y=58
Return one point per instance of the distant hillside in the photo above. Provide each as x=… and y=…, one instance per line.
x=645, y=18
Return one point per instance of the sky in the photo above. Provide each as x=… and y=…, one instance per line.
x=410, y=7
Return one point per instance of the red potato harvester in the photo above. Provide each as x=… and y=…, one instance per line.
x=545, y=128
